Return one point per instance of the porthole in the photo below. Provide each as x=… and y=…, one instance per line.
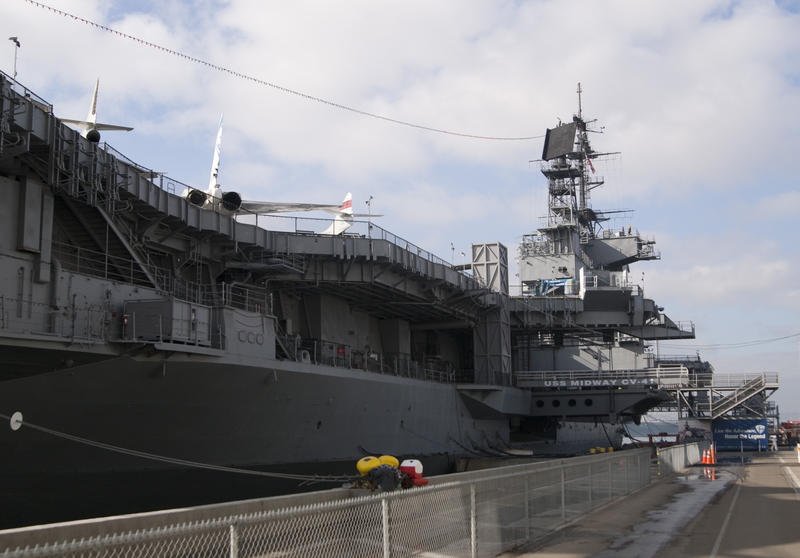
x=556, y=403
x=588, y=402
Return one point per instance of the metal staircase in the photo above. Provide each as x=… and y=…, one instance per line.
x=93, y=244
x=738, y=397
x=722, y=395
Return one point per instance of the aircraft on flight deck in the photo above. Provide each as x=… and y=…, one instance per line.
x=90, y=128
x=231, y=202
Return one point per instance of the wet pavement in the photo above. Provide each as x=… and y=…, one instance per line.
x=746, y=505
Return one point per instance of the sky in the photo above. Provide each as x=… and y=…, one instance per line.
x=701, y=98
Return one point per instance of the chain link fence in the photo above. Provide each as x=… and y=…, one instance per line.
x=481, y=513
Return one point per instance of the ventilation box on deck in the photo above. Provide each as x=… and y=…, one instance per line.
x=167, y=321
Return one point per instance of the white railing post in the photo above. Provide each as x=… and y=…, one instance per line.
x=387, y=550
x=234, y=541
x=473, y=523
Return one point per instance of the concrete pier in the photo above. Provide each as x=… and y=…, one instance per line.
x=740, y=509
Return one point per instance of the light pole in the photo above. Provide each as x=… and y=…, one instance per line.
x=369, y=216
x=16, y=48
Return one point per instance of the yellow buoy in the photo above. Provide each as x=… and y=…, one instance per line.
x=389, y=460
x=367, y=464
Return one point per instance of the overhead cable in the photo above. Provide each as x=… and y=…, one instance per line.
x=738, y=345
x=281, y=88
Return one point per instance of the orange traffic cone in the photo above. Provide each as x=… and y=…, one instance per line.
x=712, y=455
x=705, y=457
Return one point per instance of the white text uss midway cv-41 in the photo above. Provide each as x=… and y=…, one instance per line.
x=143, y=332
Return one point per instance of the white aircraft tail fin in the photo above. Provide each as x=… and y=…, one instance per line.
x=92, y=116
x=213, y=180
x=344, y=217
x=214, y=197
x=90, y=128
x=347, y=205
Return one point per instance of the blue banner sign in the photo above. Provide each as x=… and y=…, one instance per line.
x=734, y=434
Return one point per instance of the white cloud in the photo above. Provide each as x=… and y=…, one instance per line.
x=785, y=205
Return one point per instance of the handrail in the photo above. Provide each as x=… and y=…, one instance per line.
x=20, y=89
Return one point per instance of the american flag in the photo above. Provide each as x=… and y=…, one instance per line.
x=589, y=161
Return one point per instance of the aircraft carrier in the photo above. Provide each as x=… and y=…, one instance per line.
x=146, y=341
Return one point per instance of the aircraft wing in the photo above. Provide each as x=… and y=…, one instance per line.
x=76, y=122
x=93, y=125
x=337, y=210
x=280, y=207
x=112, y=127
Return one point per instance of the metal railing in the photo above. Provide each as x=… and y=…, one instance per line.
x=23, y=91
x=101, y=264
x=342, y=355
x=126, y=270
x=358, y=228
x=740, y=380
x=470, y=514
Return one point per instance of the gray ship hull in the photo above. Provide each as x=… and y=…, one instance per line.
x=280, y=417
x=233, y=415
